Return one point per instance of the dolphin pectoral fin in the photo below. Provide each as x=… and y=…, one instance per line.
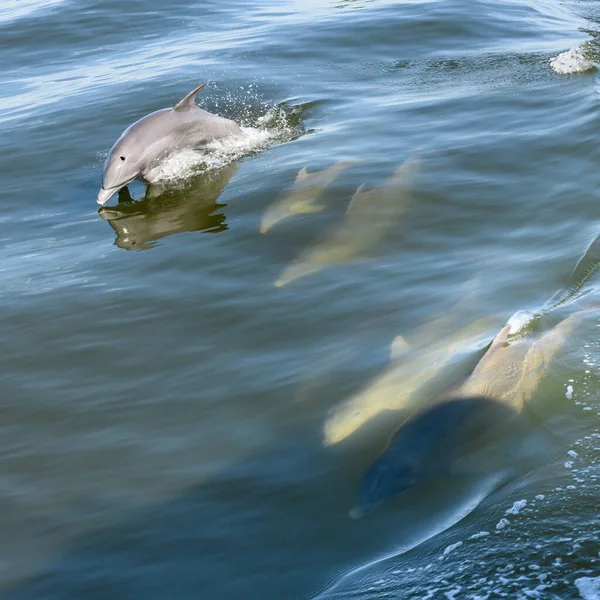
x=407, y=171
x=188, y=102
x=324, y=177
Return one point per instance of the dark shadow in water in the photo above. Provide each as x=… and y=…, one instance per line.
x=274, y=526
x=163, y=212
x=434, y=441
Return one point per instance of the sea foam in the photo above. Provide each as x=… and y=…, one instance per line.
x=572, y=61
x=589, y=587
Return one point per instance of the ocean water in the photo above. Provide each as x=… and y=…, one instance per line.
x=164, y=402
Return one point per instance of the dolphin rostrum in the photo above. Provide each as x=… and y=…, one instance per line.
x=303, y=196
x=146, y=143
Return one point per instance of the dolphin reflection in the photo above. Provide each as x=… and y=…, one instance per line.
x=163, y=212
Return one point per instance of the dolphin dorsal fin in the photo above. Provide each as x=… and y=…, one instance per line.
x=360, y=191
x=399, y=348
x=302, y=175
x=189, y=101
x=498, y=341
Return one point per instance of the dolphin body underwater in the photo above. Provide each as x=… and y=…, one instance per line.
x=370, y=215
x=442, y=437
x=397, y=387
x=149, y=141
x=415, y=361
x=303, y=197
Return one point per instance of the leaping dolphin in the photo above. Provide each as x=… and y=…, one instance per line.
x=146, y=143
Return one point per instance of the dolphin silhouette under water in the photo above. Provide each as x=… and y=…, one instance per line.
x=426, y=445
x=371, y=214
x=445, y=436
x=149, y=141
x=303, y=196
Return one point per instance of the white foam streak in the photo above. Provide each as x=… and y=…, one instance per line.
x=572, y=61
x=519, y=321
x=589, y=587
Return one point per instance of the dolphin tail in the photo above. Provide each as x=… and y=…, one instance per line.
x=188, y=101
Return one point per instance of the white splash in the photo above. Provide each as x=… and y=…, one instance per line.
x=520, y=320
x=181, y=165
x=455, y=517
x=273, y=127
x=569, y=392
x=589, y=587
x=572, y=61
x=516, y=507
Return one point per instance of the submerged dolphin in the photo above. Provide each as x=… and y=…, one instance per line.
x=511, y=370
x=425, y=445
x=441, y=437
x=303, y=196
x=146, y=143
x=397, y=386
x=370, y=215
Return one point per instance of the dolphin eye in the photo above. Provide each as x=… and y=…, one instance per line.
x=122, y=157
